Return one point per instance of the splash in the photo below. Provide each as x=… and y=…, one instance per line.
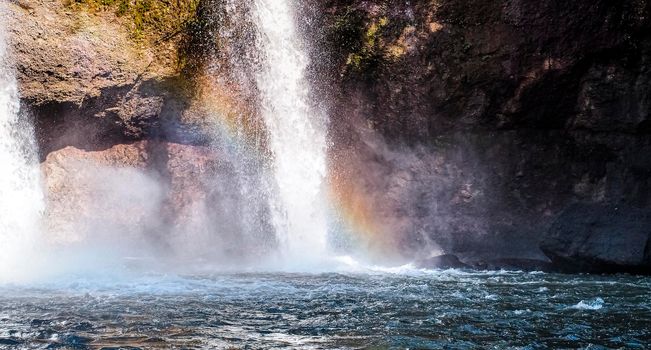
x=21, y=196
x=297, y=135
x=593, y=304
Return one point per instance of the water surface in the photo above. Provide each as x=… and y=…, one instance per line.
x=407, y=309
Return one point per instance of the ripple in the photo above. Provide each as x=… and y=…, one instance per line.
x=433, y=309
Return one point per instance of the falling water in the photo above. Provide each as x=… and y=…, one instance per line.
x=296, y=132
x=21, y=198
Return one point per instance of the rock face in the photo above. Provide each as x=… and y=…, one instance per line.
x=87, y=190
x=69, y=56
x=472, y=126
x=91, y=85
x=149, y=185
x=493, y=131
x=130, y=128
x=157, y=195
x=599, y=238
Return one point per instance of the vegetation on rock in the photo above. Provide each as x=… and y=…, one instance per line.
x=156, y=19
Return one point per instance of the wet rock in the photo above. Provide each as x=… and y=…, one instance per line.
x=469, y=128
x=445, y=261
x=600, y=238
x=128, y=188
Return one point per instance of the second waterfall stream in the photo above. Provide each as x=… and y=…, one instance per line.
x=296, y=133
x=21, y=196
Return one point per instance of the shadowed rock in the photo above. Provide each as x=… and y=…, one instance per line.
x=445, y=261
x=600, y=238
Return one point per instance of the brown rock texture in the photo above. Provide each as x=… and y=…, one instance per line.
x=86, y=191
x=143, y=190
x=71, y=56
x=478, y=129
x=90, y=84
x=470, y=127
x=130, y=129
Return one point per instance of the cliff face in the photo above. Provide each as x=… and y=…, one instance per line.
x=491, y=130
x=494, y=128
x=123, y=132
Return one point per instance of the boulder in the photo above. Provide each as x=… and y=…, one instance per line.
x=445, y=261
x=600, y=238
x=129, y=189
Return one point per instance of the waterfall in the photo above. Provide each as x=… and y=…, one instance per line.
x=297, y=134
x=21, y=196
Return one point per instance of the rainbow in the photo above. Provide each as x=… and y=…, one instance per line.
x=352, y=201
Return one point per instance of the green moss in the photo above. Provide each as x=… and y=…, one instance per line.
x=372, y=47
x=346, y=30
x=359, y=38
x=146, y=18
x=373, y=32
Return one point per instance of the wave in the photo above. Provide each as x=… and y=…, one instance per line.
x=593, y=304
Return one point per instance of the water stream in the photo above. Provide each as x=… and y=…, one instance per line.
x=21, y=196
x=296, y=131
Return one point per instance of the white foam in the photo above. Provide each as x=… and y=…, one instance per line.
x=593, y=304
x=297, y=134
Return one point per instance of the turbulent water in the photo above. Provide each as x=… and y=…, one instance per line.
x=296, y=132
x=21, y=198
x=355, y=310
